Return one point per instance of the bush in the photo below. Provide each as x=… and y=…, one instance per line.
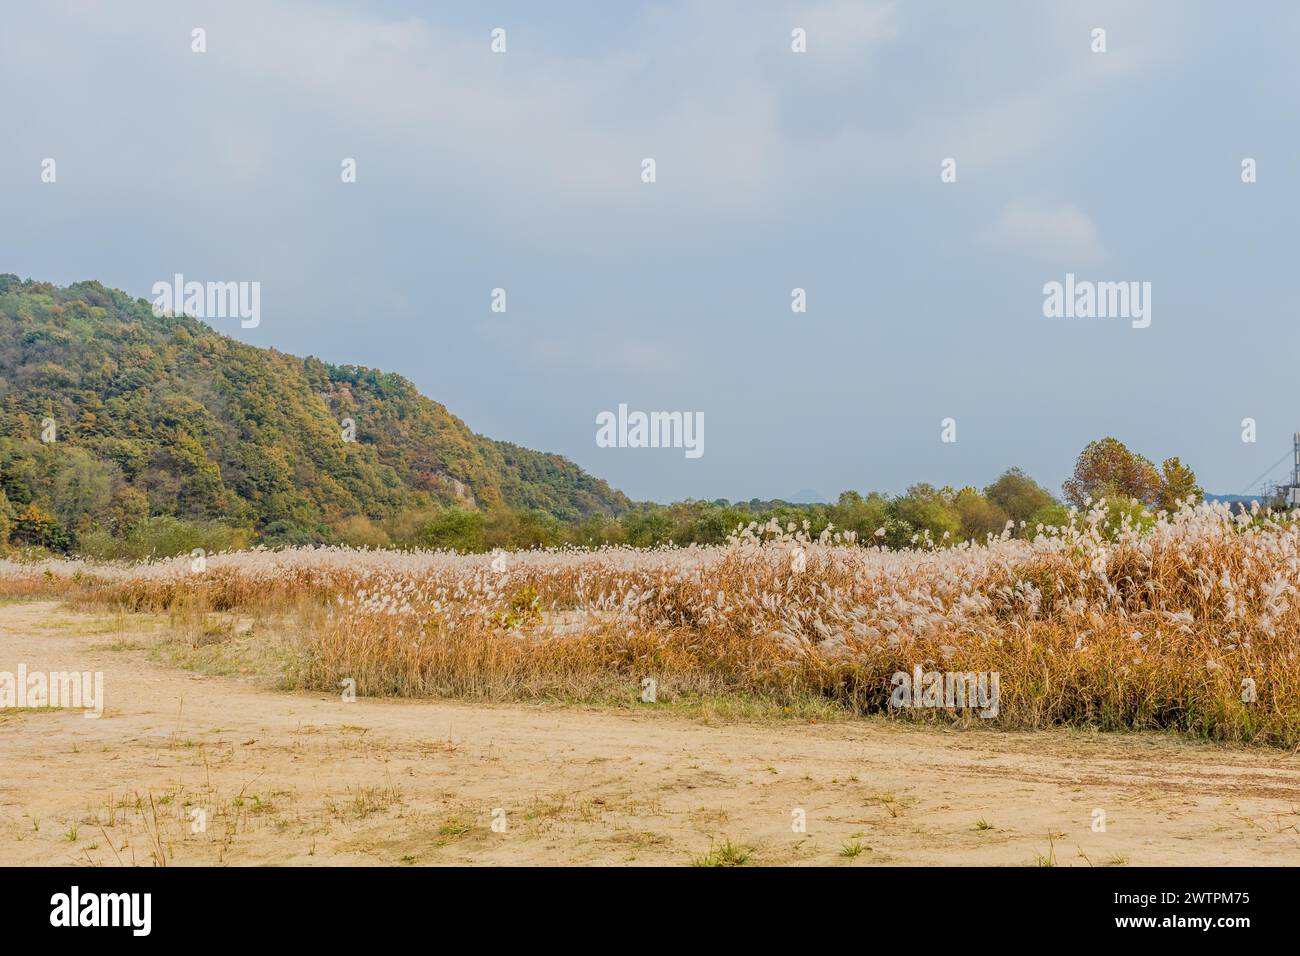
x=286, y=534
x=360, y=532
x=1055, y=515
x=454, y=528
x=165, y=537
x=36, y=527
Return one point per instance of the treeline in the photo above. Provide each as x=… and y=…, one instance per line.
x=925, y=515
x=1014, y=504
x=943, y=515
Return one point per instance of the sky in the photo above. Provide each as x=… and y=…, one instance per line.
x=774, y=170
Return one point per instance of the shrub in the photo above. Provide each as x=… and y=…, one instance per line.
x=165, y=537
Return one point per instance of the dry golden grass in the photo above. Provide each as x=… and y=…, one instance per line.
x=1191, y=624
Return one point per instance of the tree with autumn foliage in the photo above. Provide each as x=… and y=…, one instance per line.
x=1107, y=468
x=36, y=526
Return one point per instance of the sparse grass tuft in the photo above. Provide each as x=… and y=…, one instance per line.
x=455, y=826
x=727, y=854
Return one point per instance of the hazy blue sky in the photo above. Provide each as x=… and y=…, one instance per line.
x=775, y=170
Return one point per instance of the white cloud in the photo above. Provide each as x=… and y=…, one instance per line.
x=843, y=31
x=1061, y=230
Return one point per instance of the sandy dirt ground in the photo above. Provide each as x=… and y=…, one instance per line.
x=189, y=769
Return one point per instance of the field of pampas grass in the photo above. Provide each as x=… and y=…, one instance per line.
x=1188, y=623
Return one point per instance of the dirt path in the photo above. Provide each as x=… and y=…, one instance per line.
x=308, y=779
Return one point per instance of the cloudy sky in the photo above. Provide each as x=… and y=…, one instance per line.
x=775, y=170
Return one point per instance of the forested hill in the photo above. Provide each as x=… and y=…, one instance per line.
x=165, y=416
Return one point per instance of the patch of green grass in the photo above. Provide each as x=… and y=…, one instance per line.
x=728, y=854
x=86, y=625
x=455, y=826
x=19, y=711
x=852, y=849
x=364, y=802
x=120, y=645
x=258, y=656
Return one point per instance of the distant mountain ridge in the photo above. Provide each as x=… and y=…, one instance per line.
x=163, y=415
x=1237, y=499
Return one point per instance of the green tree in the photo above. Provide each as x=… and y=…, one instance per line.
x=454, y=528
x=83, y=489
x=283, y=534
x=1018, y=495
x=127, y=507
x=926, y=508
x=979, y=516
x=861, y=515
x=1177, y=484
x=645, y=529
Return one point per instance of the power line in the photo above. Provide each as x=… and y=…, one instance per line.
x=1271, y=469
